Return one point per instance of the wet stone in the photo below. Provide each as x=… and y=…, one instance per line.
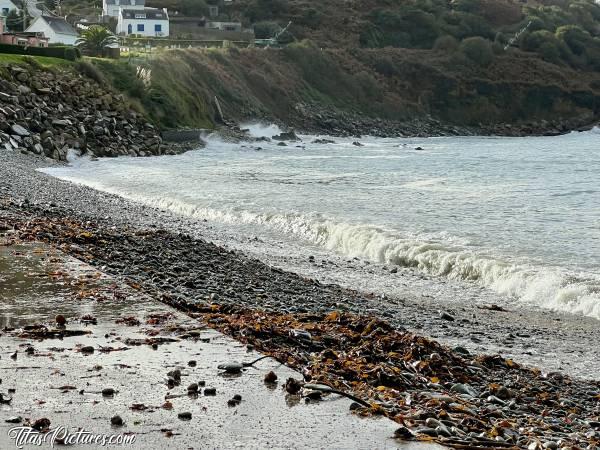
x=108, y=392
x=427, y=431
x=116, y=421
x=210, y=391
x=185, y=416
x=271, y=377
x=14, y=419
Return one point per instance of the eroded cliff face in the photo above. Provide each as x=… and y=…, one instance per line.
x=49, y=112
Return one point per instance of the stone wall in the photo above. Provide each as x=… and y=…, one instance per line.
x=50, y=112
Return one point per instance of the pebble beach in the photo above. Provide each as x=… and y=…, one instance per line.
x=466, y=376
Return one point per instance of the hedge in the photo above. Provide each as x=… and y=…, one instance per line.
x=64, y=52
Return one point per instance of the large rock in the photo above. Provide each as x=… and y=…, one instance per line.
x=286, y=136
x=19, y=130
x=62, y=122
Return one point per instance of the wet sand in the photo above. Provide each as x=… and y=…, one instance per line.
x=56, y=379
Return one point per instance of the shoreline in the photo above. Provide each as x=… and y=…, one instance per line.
x=527, y=336
x=488, y=331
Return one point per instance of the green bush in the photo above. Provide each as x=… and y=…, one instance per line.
x=549, y=52
x=194, y=7
x=575, y=37
x=445, y=44
x=266, y=30
x=478, y=50
x=386, y=66
x=310, y=18
x=70, y=54
x=90, y=71
x=63, y=52
x=266, y=9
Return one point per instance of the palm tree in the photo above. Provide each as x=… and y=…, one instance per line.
x=95, y=39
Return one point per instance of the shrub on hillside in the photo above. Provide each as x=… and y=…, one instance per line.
x=549, y=52
x=310, y=18
x=406, y=27
x=478, y=50
x=369, y=88
x=259, y=10
x=90, y=71
x=194, y=7
x=470, y=6
x=445, y=44
x=593, y=54
x=545, y=44
x=386, y=66
x=265, y=30
x=575, y=37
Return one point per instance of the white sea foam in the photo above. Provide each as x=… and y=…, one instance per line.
x=545, y=287
x=259, y=130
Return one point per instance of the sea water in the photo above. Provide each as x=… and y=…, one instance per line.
x=502, y=219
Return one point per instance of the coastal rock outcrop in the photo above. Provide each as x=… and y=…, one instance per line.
x=50, y=113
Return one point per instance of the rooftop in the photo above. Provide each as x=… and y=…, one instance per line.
x=126, y=2
x=145, y=14
x=59, y=25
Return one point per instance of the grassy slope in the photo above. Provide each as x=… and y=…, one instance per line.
x=41, y=60
x=254, y=83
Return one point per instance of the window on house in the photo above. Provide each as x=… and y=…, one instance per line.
x=5, y=11
x=158, y=28
x=140, y=16
x=140, y=27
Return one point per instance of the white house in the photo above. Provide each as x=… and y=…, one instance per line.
x=149, y=22
x=112, y=7
x=56, y=29
x=6, y=6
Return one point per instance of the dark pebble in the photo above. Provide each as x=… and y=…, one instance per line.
x=116, y=421
x=185, y=416
x=210, y=391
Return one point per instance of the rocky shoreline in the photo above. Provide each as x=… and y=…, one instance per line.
x=52, y=112
x=331, y=333
x=314, y=119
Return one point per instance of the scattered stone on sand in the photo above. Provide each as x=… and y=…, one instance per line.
x=271, y=377
x=210, y=391
x=116, y=421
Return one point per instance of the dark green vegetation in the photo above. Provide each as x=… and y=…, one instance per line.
x=394, y=84
x=59, y=51
x=564, y=32
x=95, y=39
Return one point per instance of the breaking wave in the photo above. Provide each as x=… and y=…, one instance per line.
x=550, y=288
